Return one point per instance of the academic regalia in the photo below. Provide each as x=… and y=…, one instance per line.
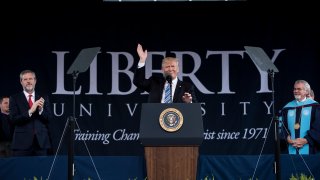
x=302, y=120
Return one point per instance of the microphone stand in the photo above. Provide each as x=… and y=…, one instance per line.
x=275, y=119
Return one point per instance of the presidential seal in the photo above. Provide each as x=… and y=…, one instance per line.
x=171, y=119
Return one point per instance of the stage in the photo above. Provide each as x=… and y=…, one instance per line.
x=133, y=167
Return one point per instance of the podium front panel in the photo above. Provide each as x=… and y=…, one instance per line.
x=153, y=134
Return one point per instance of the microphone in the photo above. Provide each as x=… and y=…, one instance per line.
x=169, y=78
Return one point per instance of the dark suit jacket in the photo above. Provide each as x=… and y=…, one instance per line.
x=155, y=85
x=26, y=127
x=6, y=129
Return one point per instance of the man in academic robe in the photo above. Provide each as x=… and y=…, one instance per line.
x=300, y=121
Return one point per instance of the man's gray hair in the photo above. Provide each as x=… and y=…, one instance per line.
x=306, y=85
x=27, y=71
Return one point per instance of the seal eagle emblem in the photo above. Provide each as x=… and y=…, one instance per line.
x=171, y=119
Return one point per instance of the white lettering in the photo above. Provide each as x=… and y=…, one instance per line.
x=121, y=134
x=244, y=107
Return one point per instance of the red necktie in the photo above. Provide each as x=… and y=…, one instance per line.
x=30, y=100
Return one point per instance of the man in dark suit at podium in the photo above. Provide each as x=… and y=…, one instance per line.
x=160, y=131
x=156, y=86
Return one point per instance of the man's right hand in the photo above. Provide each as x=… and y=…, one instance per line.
x=142, y=54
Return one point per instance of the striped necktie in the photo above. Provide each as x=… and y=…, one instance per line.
x=167, y=94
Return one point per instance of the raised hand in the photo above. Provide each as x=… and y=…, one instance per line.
x=142, y=53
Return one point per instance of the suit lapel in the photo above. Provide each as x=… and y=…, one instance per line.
x=24, y=100
x=162, y=82
x=177, y=91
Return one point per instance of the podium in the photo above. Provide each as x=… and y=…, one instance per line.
x=171, y=135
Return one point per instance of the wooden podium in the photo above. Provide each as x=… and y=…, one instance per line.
x=171, y=163
x=171, y=149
